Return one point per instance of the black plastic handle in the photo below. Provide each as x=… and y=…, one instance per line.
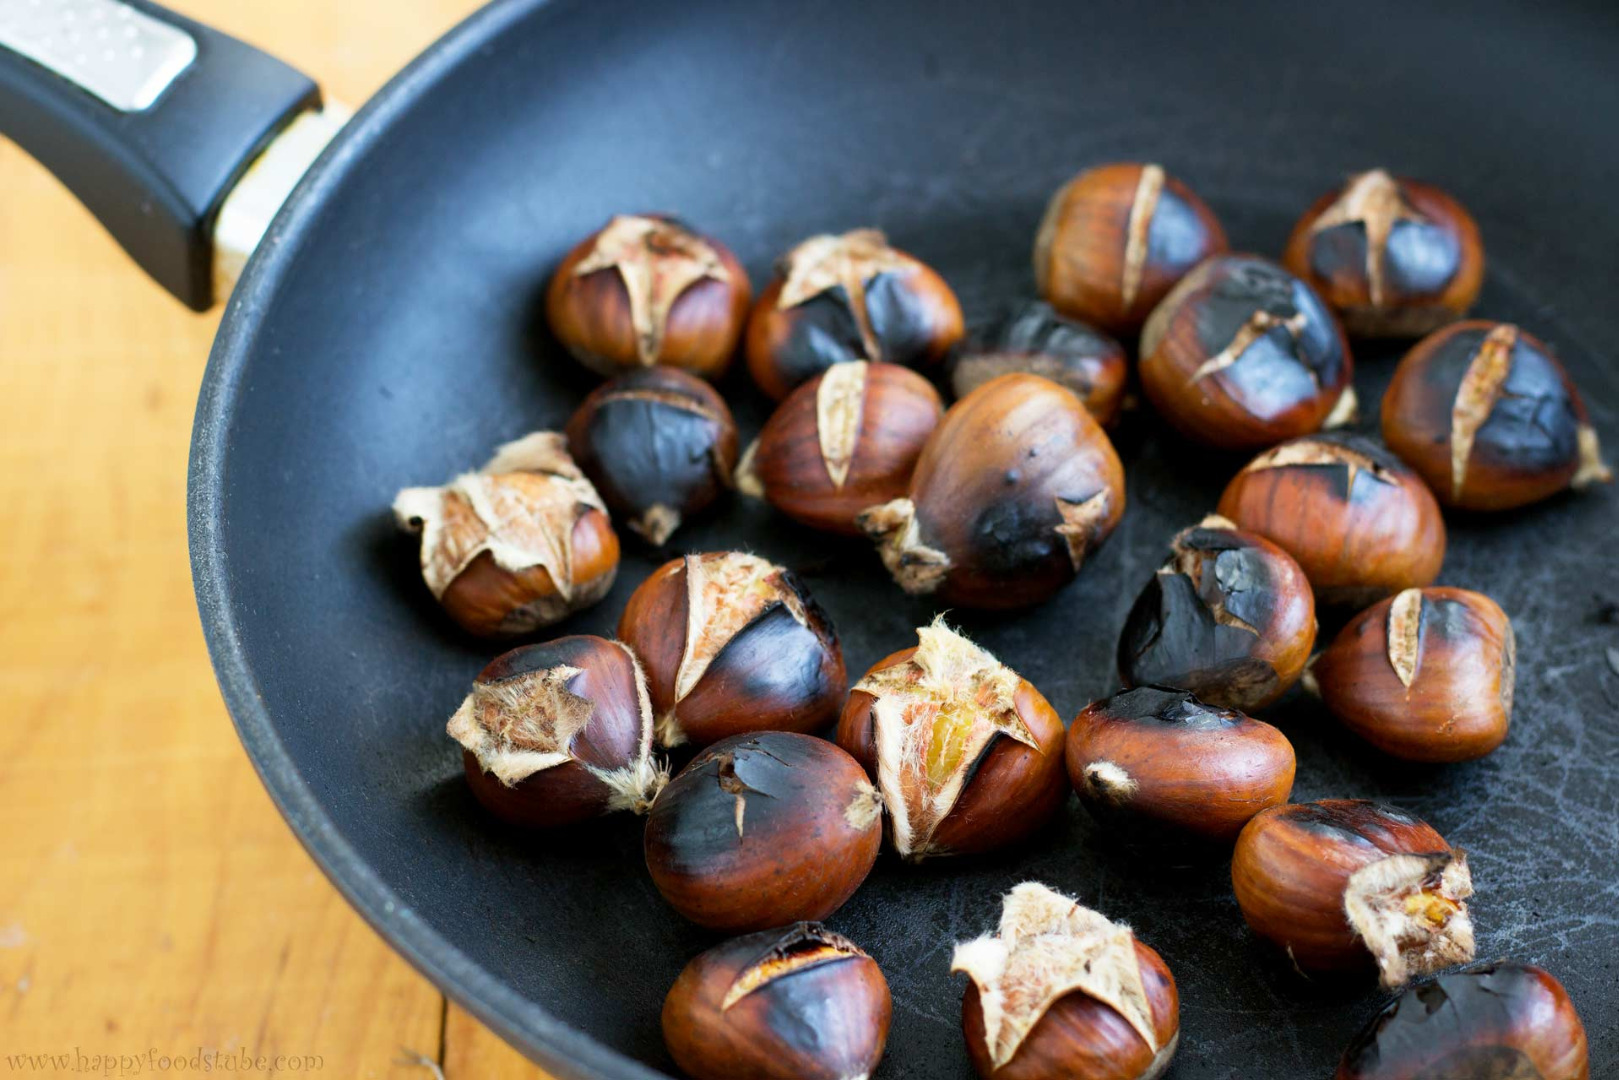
x=156, y=177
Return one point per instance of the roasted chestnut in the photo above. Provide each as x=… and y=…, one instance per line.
x=1342, y=884
x=1426, y=675
x=1486, y=414
x=794, y=1003
x=522, y=543
x=1229, y=616
x=764, y=829
x=1032, y=338
x=1154, y=764
x=732, y=643
x=1015, y=487
x=659, y=445
x=847, y=439
x=1394, y=257
x=967, y=755
x=646, y=290
x=1358, y=521
x=1241, y=355
x=1505, y=1020
x=848, y=297
x=558, y=733
x=1063, y=991
x=1116, y=238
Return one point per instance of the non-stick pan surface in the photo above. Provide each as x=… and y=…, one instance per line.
x=389, y=336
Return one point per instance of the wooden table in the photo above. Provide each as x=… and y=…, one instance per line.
x=151, y=900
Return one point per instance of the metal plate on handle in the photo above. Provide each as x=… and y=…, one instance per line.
x=121, y=55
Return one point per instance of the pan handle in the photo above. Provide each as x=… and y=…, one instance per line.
x=149, y=118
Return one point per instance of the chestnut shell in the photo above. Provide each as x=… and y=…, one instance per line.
x=1032, y=338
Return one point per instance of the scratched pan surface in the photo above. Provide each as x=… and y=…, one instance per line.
x=389, y=337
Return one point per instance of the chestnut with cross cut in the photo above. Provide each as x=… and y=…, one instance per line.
x=1031, y=337
x=761, y=830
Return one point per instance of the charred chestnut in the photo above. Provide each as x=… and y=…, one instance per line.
x=967, y=755
x=1426, y=675
x=1241, y=355
x=1014, y=489
x=1501, y=1020
x=1395, y=257
x=1063, y=991
x=522, y=543
x=647, y=289
x=732, y=643
x=795, y=1003
x=1229, y=616
x=1032, y=338
x=1157, y=764
x=1116, y=238
x=658, y=444
x=1358, y=521
x=558, y=733
x=848, y=297
x=1342, y=884
x=1489, y=418
x=764, y=829
x=846, y=440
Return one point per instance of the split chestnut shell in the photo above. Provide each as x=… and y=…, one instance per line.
x=1033, y=338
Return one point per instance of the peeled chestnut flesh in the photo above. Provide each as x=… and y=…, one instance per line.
x=1426, y=675
x=1498, y=1021
x=1229, y=617
x=1014, y=489
x=1157, y=766
x=1061, y=991
x=733, y=643
x=1242, y=355
x=648, y=289
x=849, y=297
x=1342, y=885
x=1034, y=339
x=967, y=754
x=1116, y=238
x=764, y=829
x=1488, y=417
x=846, y=440
x=559, y=733
x=1393, y=256
x=522, y=543
x=1359, y=522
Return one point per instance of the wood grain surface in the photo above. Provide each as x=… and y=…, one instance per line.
x=152, y=903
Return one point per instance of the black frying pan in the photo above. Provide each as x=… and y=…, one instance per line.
x=388, y=336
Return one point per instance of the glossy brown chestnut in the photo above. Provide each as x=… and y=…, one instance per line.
x=522, y=543
x=659, y=445
x=1241, y=355
x=1357, y=521
x=1116, y=238
x=967, y=755
x=1032, y=338
x=1426, y=675
x=1014, y=489
x=846, y=440
x=794, y=1003
x=1489, y=418
x=1393, y=256
x=647, y=289
x=1154, y=764
x=732, y=643
x=558, y=733
x=1506, y=1021
x=1229, y=616
x=1342, y=884
x=762, y=830
x=848, y=297
x=1063, y=992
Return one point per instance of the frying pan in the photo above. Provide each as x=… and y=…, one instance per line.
x=386, y=334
